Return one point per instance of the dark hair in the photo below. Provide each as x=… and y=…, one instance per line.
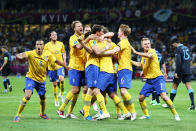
x=105, y=30
x=175, y=40
x=5, y=47
x=87, y=34
x=96, y=28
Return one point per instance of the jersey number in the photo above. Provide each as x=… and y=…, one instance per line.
x=186, y=54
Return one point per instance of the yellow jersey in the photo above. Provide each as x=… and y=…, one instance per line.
x=150, y=66
x=91, y=58
x=106, y=63
x=55, y=49
x=38, y=64
x=77, y=56
x=124, y=55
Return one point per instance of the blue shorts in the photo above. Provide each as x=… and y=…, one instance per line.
x=106, y=81
x=76, y=77
x=31, y=84
x=156, y=84
x=112, y=87
x=124, y=78
x=54, y=75
x=91, y=74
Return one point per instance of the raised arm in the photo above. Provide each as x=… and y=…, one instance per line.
x=136, y=63
x=21, y=56
x=148, y=55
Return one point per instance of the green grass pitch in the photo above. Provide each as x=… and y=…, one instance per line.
x=161, y=118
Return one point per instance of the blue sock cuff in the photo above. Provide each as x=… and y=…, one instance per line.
x=190, y=90
x=173, y=91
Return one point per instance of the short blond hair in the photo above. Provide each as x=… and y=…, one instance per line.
x=73, y=24
x=144, y=39
x=125, y=29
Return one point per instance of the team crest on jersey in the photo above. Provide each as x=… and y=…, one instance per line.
x=56, y=52
x=94, y=42
x=46, y=58
x=122, y=81
x=95, y=82
x=29, y=85
x=75, y=42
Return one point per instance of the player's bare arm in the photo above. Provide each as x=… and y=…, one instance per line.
x=136, y=63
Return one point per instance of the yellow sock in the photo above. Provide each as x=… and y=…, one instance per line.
x=118, y=102
x=87, y=104
x=101, y=103
x=68, y=97
x=73, y=102
x=62, y=88
x=105, y=99
x=171, y=106
x=129, y=103
x=144, y=109
x=117, y=110
x=55, y=90
x=93, y=99
x=83, y=96
x=42, y=106
x=21, y=106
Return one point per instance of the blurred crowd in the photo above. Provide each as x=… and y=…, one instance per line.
x=24, y=6
x=21, y=37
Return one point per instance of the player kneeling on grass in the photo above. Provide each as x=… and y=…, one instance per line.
x=35, y=78
x=155, y=80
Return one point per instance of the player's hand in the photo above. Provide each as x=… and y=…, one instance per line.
x=141, y=73
x=134, y=51
x=165, y=75
x=1, y=69
x=67, y=68
x=176, y=75
x=93, y=37
x=101, y=38
x=107, y=46
x=80, y=39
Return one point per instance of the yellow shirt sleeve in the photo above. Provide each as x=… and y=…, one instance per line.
x=63, y=48
x=73, y=42
x=28, y=53
x=122, y=45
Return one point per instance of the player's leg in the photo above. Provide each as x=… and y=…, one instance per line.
x=5, y=83
x=53, y=78
x=124, y=80
x=87, y=104
x=173, y=91
x=29, y=85
x=145, y=92
x=191, y=95
x=170, y=105
x=61, y=74
x=117, y=101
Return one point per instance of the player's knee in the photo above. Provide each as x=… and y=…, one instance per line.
x=75, y=90
x=27, y=97
x=141, y=98
x=123, y=91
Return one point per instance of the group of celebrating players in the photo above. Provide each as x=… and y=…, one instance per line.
x=92, y=64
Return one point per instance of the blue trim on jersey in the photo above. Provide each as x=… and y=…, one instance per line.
x=173, y=91
x=190, y=90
